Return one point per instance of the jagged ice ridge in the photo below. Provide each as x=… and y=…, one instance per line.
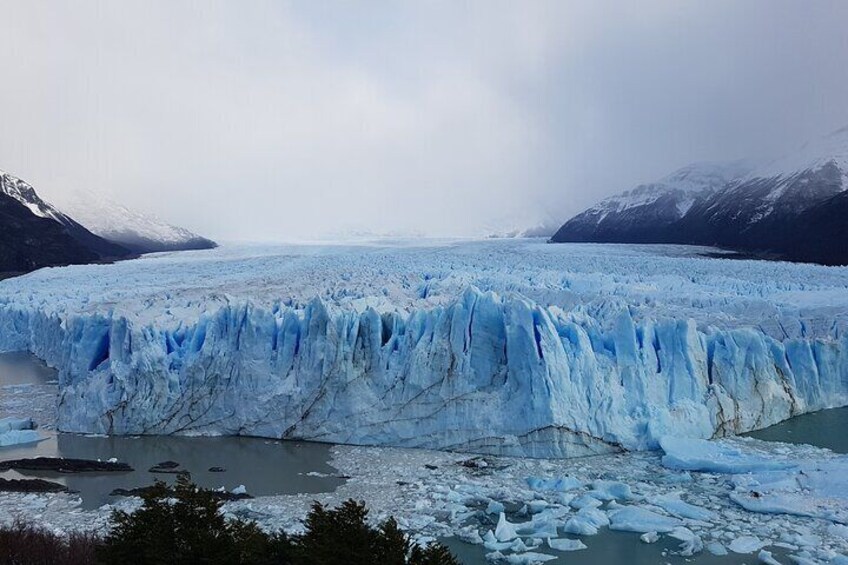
x=513, y=348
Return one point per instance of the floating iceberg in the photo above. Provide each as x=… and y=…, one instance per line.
x=586, y=522
x=747, y=544
x=677, y=507
x=700, y=455
x=16, y=431
x=565, y=544
x=562, y=484
x=641, y=520
x=511, y=348
x=770, y=483
x=10, y=423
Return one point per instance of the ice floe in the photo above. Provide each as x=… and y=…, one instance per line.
x=16, y=431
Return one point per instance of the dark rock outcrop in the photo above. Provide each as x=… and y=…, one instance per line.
x=64, y=465
x=33, y=234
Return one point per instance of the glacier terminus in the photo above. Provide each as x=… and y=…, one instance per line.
x=503, y=347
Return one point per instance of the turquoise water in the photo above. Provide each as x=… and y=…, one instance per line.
x=264, y=466
x=822, y=429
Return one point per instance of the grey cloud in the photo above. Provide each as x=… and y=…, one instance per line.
x=268, y=120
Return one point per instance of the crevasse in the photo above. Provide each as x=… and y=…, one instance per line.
x=484, y=373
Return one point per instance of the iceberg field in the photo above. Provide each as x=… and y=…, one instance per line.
x=501, y=347
x=525, y=509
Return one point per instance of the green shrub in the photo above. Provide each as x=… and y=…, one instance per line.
x=25, y=544
x=343, y=537
x=183, y=525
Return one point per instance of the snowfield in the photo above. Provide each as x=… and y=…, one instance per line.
x=501, y=347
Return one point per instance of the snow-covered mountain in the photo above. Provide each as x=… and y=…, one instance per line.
x=34, y=234
x=766, y=209
x=541, y=229
x=141, y=233
x=24, y=193
x=641, y=214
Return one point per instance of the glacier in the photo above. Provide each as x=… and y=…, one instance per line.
x=498, y=347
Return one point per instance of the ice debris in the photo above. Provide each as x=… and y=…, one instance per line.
x=16, y=431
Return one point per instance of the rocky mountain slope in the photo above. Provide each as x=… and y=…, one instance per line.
x=788, y=208
x=645, y=213
x=34, y=234
x=137, y=232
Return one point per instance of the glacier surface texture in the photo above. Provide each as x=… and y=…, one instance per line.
x=503, y=347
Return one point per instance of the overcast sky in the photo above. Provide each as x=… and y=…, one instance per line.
x=251, y=120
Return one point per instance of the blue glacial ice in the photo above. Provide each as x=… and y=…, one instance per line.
x=769, y=482
x=511, y=348
x=701, y=455
x=560, y=484
x=565, y=544
x=15, y=431
x=641, y=520
x=672, y=504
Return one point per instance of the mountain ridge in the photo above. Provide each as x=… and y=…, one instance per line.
x=34, y=234
x=138, y=232
x=764, y=210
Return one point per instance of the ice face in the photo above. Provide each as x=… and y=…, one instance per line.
x=510, y=348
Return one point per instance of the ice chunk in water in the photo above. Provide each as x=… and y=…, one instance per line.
x=17, y=431
x=505, y=531
x=641, y=520
x=558, y=484
x=18, y=437
x=529, y=558
x=586, y=522
x=566, y=544
x=713, y=457
x=650, y=537
x=747, y=544
x=767, y=558
x=673, y=505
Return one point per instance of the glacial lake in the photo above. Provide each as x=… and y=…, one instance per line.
x=263, y=466
x=822, y=429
